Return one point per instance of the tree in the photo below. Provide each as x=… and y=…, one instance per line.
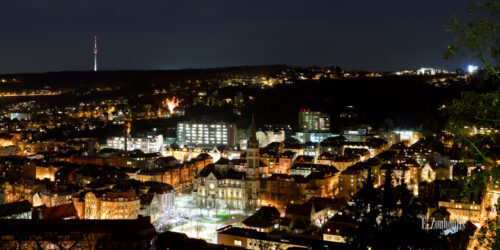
x=478, y=39
x=199, y=205
x=386, y=218
x=198, y=228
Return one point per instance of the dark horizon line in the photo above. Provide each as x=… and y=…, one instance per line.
x=223, y=67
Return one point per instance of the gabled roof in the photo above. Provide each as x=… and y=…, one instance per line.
x=158, y=187
x=222, y=161
x=343, y=216
x=220, y=175
x=326, y=156
x=285, y=177
x=305, y=158
x=374, y=161
x=203, y=156
x=263, y=218
x=146, y=199
x=394, y=166
x=346, y=158
x=299, y=209
x=288, y=154
x=387, y=155
x=321, y=203
x=59, y=212
x=336, y=141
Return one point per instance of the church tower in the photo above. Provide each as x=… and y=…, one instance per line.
x=252, y=170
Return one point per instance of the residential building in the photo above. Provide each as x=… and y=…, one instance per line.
x=350, y=181
x=108, y=204
x=60, y=212
x=315, y=137
x=266, y=219
x=25, y=189
x=150, y=207
x=149, y=144
x=335, y=228
x=252, y=239
x=9, y=150
x=206, y=134
x=462, y=212
x=342, y=162
x=313, y=121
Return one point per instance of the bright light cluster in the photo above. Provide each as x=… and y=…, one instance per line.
x=171, y=104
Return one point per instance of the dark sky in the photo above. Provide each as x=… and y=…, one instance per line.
x=56, y=35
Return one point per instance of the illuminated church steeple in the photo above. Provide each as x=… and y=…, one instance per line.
x=252, y=141
x=252, y=170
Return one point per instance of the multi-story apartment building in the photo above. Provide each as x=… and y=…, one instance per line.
x=149, y=144
x=313, y=121
x=108, y=204
x=25, y=189
x=46, y=172
x=342, y=162
x=9, y=150
x=206, y=134
x=463, y=212
x=350, y=181
x=52, y=198
x=165, y=195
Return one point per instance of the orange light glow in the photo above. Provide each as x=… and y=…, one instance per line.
x=171, y=104
x=128, y=128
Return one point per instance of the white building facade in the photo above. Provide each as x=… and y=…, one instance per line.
x=149, y=144
x=206, y=134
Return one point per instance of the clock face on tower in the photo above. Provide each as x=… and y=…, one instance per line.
x=211, y=186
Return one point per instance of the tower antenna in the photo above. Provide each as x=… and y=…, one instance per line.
x=95, y=53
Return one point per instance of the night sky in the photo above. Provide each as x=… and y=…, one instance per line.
x=56, y=35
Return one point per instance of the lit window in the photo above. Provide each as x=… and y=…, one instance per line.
x=237, y=242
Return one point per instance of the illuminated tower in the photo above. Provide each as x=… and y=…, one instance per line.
x=252, y=170
x=95, y=53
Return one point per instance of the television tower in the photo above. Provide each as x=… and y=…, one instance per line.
x=95, y=53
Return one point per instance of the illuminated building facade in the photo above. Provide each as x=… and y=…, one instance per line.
x=313, y=121
x=350, y=181
x=55, y=198
x=221, y=185
x=165, y=195
x=343, y=162
x=219, y=188
x=266, y=137
x=20, y=116
x=206, y=134
x=463, y=212
x=24, y=190
x=149, y=144
x=315, y=137
x=9, y=150
x=46, y=172
x=108, y=205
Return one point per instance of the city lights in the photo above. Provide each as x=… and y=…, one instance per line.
x=171, y=104
x=472, y=69
x=250, y=138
